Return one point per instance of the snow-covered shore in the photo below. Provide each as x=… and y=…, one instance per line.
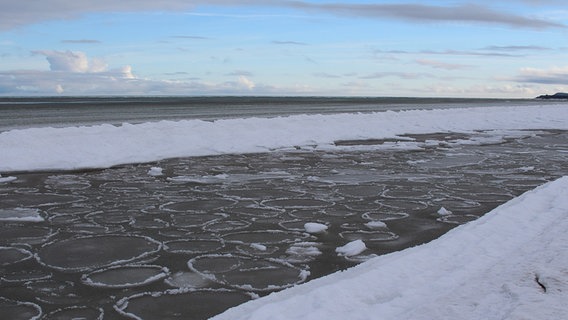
x=107, y=145
x=510, y=264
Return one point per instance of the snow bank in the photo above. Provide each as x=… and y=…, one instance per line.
x=511, y=263
x=107, y=145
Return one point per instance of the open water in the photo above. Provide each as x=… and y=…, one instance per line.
x=202, y=234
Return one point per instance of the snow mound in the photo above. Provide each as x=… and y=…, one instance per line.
x=314, y=227
x=72, y=147
x=353, y=248
x=508, y=264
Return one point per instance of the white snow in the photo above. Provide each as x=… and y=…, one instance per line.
x=444, y=212
x=155, y=171
x=512, y=263
x=376, y=225
x=107, y=145
x=6, y=179
x=21, y=215
x=314, y=227
x=352, y=248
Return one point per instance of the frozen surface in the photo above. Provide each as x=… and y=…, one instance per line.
x=108, y=145
x=240, y=218
x=509, y=264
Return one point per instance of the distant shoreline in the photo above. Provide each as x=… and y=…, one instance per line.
x=556, y=96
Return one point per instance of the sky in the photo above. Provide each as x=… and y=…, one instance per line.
x=481, y=49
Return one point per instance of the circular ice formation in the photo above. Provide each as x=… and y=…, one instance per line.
x=203, y=205
x=256, y=212
x=34, y=200
x=248, y=273
x=12, y=255
x=256, y=249
x=76, y=312
x=25, y=275
x=384, y=216
x=259, y=194
x=19, y=310
x=227, y=225
x=368, y=236
x=87, y=253
x=266, y=236
x=297, y=203
x=54, y=292
x=192, y=246
x=403, y=205
x=187, y=279
x=129, y=276
x=24, y=234
x=190, y=220
x=179, y=304
x=360, y=191
x=457, y=219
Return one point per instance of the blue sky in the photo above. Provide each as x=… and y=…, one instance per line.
x=503, y=49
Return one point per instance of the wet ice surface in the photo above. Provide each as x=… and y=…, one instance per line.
x=188, y=238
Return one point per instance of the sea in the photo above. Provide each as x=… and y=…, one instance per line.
x=17, y=112
x=187, y=238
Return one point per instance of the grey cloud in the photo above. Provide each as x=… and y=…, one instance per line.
x=450, y=52
x=191, y=37
x=290, y=43
x=240, y=73
x=515, y=48
x=83, y=41
x=402, y=75
x=426, y=13
x=19, y=13
x=441, y=65
x=326, y=75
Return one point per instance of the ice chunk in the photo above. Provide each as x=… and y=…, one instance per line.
x=375, y=225
x=258, y=246
x=155, y=172
x=313, y=227
x=353, y=248
x=21, y=214
x=444, y=212
x=6, y=179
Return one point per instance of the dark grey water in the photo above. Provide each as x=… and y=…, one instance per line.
x=18, y=113
x=212, y=232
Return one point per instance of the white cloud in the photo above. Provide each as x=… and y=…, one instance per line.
x=69, y=61
x=246, y=83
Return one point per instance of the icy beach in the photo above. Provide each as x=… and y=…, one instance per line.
x=509, y=264
x=103, y=146
x=185, y=219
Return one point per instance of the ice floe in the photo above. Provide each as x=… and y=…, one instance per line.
x=96, y=252
x=127, y=276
